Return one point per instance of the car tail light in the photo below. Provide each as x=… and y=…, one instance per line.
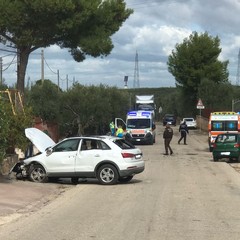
x=237, y=145
x=214, y=145
x=128, y=155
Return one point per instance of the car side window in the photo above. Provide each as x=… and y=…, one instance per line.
x=123, y=144
x=67, y=146
x=90, y=144
x=103, y=145
x=84, y=145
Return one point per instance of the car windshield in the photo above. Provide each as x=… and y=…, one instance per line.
x=138, y=123
x=188, y=119
x=123, y=144
x=145, y=107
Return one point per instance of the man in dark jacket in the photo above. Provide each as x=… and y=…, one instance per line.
x=167, y=135
x=183, y=129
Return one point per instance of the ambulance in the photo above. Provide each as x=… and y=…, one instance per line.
x=222, y=122
x=139, y=127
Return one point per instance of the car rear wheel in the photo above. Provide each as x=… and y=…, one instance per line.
x=215, y=159
x=37, y=173
x=107, y=174
x=125, y=179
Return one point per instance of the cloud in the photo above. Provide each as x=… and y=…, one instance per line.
x=152, y=31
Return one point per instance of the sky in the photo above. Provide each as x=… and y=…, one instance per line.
x=141, y=46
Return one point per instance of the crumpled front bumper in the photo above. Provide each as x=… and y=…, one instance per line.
x=19, y=169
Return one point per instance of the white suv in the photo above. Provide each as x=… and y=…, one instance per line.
x=109, y=159
x=190, y=122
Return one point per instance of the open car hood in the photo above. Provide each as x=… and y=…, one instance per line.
x=40, y=139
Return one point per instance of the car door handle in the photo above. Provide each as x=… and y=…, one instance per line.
x=97, y=155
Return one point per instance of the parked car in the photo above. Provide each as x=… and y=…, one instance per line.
x=191, y=122
x=107, y=158
x=227, y=145
x=170, y=119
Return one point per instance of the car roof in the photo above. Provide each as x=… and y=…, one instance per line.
x=100, y=137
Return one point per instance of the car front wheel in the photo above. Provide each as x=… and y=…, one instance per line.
x=37, y=173
x=107, y=174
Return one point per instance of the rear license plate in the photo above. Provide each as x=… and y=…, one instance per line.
x=225, y=153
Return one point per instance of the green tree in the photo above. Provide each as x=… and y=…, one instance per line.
x=45, y=100
x=194, y=60
x=89, y=109
x=12, y=128
x=212, y=94
x=84, y=27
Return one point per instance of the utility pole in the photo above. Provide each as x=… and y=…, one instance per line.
x=58, y=79
x=67, y=82
x=18, y=65
x=238, y=70
x=42, y=66
x=1, y=70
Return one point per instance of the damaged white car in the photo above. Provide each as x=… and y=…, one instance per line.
x=109, y=159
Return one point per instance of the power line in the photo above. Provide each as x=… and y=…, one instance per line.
x=49, y=67
x=9, y=64
x=5, y=50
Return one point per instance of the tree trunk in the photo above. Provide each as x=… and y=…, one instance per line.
x=23, y=56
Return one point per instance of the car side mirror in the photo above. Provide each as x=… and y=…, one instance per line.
x=49, y=151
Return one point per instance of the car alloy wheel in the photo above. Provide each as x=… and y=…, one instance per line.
x=37, y=173
x=107, y=174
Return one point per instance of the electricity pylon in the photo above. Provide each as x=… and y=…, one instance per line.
x=136, y=83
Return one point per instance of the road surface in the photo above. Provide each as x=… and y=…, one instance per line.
x=185, y=196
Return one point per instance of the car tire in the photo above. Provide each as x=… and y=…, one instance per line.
x=125, y=179
x=74, y=180
x=107, y=174
x=37, y=173
x=150, y=142
x=215, y=159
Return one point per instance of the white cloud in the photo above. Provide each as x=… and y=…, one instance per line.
x=153, y=31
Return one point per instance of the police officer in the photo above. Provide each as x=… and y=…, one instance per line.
x=183, y=129
x=167, y=135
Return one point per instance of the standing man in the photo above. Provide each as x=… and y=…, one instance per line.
x=112, y=128
x=183, y=129
x=167, y=135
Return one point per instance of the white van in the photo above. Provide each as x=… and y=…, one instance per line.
x=139, y=127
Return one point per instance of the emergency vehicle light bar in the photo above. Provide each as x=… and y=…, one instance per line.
x=140, y=114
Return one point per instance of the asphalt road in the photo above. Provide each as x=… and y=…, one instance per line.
x=185, y=196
